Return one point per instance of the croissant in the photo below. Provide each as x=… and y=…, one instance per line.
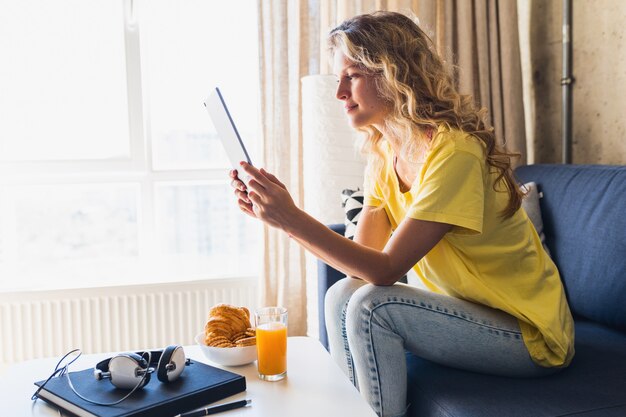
x=229, y=326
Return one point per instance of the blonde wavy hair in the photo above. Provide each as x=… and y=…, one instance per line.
x=411, y=76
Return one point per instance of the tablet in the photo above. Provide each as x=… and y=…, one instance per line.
x=226, y=129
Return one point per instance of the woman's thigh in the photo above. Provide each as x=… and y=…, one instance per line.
x=439, y=328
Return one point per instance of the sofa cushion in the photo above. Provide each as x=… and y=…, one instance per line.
x=531, y=205
x=583, y=211
x=593, y=385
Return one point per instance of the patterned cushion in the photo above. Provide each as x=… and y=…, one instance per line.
x=352, y=203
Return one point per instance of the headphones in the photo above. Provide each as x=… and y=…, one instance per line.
x=132, y=370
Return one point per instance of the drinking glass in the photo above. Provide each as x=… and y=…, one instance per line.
x=271, y=342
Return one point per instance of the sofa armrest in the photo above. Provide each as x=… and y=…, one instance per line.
x=326, y=276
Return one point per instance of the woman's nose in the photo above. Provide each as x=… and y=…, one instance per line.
x=342, y=91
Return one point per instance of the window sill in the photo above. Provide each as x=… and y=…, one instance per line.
x=125, y=272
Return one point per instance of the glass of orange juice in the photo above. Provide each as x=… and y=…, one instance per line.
x=271, y=342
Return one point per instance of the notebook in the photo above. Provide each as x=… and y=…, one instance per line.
x=198, y=386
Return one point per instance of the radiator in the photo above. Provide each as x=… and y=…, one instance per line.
x=50, y=323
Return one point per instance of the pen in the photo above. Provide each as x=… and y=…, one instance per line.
x=215, y=409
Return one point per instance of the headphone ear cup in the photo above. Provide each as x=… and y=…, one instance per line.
x=171, y=363
x=123, y=369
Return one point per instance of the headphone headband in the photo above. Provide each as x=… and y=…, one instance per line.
x=155, y=357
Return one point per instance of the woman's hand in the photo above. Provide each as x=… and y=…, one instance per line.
x=241, y=191
x=267, y=198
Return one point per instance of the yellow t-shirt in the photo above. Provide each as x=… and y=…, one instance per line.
x=485, y=258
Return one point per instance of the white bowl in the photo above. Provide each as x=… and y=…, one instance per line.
x=234, y=356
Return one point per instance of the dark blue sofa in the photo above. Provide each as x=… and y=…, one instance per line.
x=584, y=215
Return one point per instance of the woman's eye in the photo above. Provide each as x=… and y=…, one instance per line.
x=347, y=77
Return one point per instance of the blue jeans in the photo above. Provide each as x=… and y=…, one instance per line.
x=370, y=328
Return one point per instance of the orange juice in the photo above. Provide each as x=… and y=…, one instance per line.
x=271, y=345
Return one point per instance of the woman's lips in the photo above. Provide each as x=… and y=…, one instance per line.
x=350, y=108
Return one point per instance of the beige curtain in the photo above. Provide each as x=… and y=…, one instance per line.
x=480, y=36
x=484, y=40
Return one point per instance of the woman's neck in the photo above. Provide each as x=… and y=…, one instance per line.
x=405, y=173
x=405, y=166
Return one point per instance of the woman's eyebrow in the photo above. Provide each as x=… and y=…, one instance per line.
x=343, y=70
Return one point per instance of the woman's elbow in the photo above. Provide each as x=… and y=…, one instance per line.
x=384, y=272
x=385, y=278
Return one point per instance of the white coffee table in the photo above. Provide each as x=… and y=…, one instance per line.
x=314, y=386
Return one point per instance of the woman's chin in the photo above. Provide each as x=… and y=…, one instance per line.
x=355, y=123
x=361, y=121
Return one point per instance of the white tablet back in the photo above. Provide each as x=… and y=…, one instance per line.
x=226, y=129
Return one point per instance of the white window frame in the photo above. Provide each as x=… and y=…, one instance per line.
x=136, y=169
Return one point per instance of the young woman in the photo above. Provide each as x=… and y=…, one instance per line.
x=440, y=198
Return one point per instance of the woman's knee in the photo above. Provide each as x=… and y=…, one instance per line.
x=375, y=300
x=367, y=296
x=361, y=305
x=338, y=294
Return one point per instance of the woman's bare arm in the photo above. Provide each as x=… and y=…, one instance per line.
x=271, y=202
x=372, y=230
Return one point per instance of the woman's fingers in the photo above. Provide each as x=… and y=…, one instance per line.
x=273, y=178
x=254, y=198
x=244, y=203
x=242, y=196
x=261, y=181
x=253, y=185
x=246, y=208
x=238, y=185
x=255, y=174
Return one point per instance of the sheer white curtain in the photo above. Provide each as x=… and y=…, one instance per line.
x=481, y=37
x=288, y=50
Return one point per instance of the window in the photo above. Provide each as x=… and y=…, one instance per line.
x=110, y=170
